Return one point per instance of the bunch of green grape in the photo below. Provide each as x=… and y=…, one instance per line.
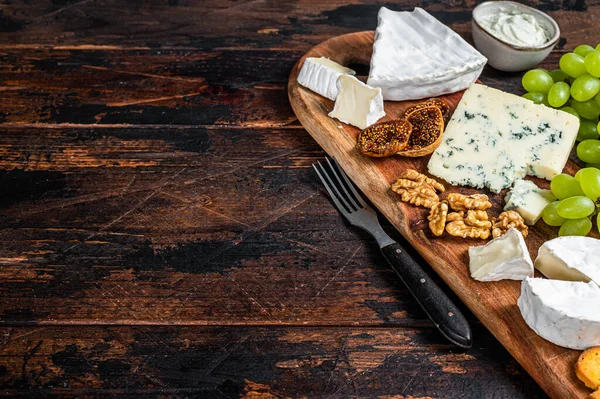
x=574, y=88
x=577, y=202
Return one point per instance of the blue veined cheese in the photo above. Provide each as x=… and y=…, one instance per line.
x=528, y=200
x=416, y=56
x=495, y=138
x=321, y=75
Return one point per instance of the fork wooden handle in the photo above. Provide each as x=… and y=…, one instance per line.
x=440, y=309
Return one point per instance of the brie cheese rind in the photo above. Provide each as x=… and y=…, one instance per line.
x=528, y=200
x=321, y=75
x=565, y=313
x=503, y=258
x=416, y=56
x=495, y=138
x=570, y=258
x=357, y=104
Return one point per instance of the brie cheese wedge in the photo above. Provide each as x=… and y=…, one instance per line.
x=565, y=313
x=321, y=75
x=570, y=258
x=503, y=258
x=416, y=56
x=528, y=200
x=357, y=104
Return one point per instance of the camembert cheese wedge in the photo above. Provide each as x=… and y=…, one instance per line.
x=503, y=258
x=416, y=56
x=563, y=312
x=495, y=138
x=357, y=104
x=570, y=258
x=321, y=75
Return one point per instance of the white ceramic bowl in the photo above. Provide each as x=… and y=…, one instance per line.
x=506, y=56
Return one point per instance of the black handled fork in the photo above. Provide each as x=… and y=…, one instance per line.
x=439, y=308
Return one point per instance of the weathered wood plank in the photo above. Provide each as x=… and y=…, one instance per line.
x=254, y=362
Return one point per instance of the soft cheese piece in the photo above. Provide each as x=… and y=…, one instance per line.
x=495, y=138
x=357, y=104
x=528, y=200
x=503, y=258
x=416, y=56
x=321, y=75
x=570, y=258
x=563, y=312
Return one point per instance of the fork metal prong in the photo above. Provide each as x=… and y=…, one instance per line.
x=339, y=206
x=336, y=173
x=349, y=183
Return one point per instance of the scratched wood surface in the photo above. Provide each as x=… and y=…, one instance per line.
x=162, y=233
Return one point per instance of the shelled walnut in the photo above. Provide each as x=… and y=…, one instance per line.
x=474, y=224
x=417, y=189
x=462, y=202
x=437, y=217
x=505, y=221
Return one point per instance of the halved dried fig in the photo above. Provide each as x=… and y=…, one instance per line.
x=427, y=128
x=441, y=104
x=384, y=139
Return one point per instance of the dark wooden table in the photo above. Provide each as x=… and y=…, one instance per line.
x=162, y=233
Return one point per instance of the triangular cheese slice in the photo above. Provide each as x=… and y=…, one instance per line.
x=416, y=56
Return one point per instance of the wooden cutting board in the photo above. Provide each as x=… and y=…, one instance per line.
x=494, y=303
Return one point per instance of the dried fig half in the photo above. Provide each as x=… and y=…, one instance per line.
x=427, y=128
x=384, y=139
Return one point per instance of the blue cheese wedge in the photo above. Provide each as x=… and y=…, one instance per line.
x=503, y=258
x=321, y=75
x=416, y=56
x=528, y=200
x=495, y=138
x=357, y=103
x=563, y=312
x=570, y=258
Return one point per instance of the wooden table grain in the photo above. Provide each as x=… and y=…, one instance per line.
x=162, y=233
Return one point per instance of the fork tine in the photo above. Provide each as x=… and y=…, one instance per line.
x=344, y=189
x=333, y=197
x=349, y=183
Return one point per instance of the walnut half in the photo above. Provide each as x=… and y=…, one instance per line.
x=417, y=189
x=437, y=218
x=506, y=220
x=461, y=202
x=474, y=224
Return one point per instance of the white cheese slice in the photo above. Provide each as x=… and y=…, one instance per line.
x=357, y=104
x=528, y=200
x=503, y=258
x=321, y=75
x=416, y=56
x=570, y=258
x=495, y=138
x=565, y=313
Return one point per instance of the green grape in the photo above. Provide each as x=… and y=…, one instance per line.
x=558, y=76
x=592, y=165
x=537, y=98
x=575, y=207
x=583, y=49
x=589, y=179
x=597, y=99
x=537, y=80
x=592, y=63
x=587, y=130
x=565, y=186
x=598, y=47
x=575, y=227
x=559, y=94
x=570, y=111
x=589, y=151
x=586, y=109
x=572, y=64
x=585, y=87
x=550, y=216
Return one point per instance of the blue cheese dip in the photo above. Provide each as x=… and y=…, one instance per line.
x=516, y=28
